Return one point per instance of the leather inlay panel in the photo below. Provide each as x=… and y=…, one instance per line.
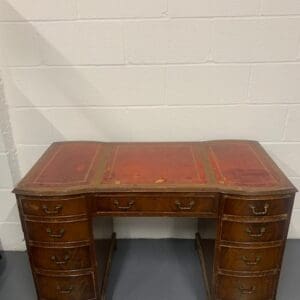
x=154, y=164
x=238, y=164
x=77, y=161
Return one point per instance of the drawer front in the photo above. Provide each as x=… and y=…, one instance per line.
x=256, y=208
x=245, y=288
x=58, y=231
x=73, y=258
x=253, y=232
x=250, y=259
x=205, y=204
x=66, y=287
x=55, y=207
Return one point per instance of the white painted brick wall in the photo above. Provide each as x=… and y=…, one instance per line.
x=256, y=40
x=275, y=83
x=280, y=7
x=2, y=146
x=19, y=45
x=80, y=43
x=140, y=70
x=210, y=8
x=18, y=10
x=89, y=9
x=167, y=41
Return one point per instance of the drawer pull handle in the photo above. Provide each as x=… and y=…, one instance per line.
x=55, y=211
x=259, y=213
x=62, y=261
x=248, y=262
x=256, y=235
x=130, y=205
x=248, y=291
x=58, y=235
x=65, y=290
x=188, y=207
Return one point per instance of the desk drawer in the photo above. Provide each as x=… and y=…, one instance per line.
x=250, y=259
x=257, y=208
x=245, y=288
x=75, y=231
x=73, y=258
x=201, y=204
x=79, y=287
x=54, y=207
x=253, y=232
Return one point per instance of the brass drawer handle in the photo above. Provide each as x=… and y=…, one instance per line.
x=62, y=261
x=55, y=211
x=129, y=206
x=259, y=213
x=188, y=207
x=248, y=262
x=248, y=291
x=256, y=235
x=67, y=290
x=58, y=235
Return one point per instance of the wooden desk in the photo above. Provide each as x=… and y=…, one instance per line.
x=234, y=182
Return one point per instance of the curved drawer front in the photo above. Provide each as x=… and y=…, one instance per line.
x=71, y=258
x=250, y=259
x=66, y=287
x=257, y=208
x=205, y=204
x=58, y=232
x=253, y=232
x=54, y=207
x=245, y=288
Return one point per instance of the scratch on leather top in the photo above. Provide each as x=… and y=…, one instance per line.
x=237, y=163
x=70, y=164
x=154, y=164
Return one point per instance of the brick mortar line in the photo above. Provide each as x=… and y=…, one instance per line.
x=162, y=105
x=158, y=18
x=205, y=63
x=287, y=116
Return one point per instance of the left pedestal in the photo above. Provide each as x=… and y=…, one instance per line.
x=61, y=248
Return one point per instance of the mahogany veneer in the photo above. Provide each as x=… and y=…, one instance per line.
x=232, y=182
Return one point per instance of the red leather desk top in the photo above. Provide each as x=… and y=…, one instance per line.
x=73, y=167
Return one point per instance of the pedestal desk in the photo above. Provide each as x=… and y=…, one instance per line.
x=233, y=182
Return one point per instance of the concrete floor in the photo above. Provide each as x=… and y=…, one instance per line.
x=148, y=270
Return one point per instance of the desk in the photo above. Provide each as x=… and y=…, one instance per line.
x=233, y=182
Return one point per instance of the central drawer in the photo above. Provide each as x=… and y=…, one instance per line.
x=75, y=287
x=206, y=204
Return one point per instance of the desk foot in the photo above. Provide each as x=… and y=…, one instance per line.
x=112, y=247
x=206, y=249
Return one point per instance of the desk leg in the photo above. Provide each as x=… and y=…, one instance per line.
x=205, y=249
x=104, y=246
x=112, y=247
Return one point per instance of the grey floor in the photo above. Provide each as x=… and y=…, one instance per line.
x=147, y=270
